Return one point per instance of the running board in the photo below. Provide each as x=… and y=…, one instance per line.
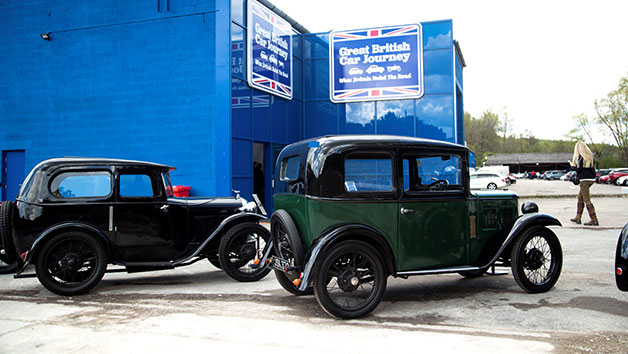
x=490, y=271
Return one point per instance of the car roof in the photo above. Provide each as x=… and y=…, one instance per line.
x=331, y=141
x=87, y=161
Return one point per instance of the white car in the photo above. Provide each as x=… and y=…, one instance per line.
x=622, y=181
x=355, y=71
x=487, y=181
x=374, y=69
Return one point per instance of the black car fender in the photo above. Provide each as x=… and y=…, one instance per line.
x=345, y=232
x=519, y=227
x=224, y=226
x=621, y=260
x=55, y=229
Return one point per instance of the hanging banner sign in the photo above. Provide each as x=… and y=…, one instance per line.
x=376, y=64
x=269, y=51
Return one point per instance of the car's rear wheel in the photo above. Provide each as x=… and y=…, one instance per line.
x=288, y=246
x=350, y=280
x=492, y=186
x=71, y=263
x=8, y=255
x=536, y=260
x=241, y=251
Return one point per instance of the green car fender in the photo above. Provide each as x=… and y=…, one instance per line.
x=523, y=223
x=336, y=234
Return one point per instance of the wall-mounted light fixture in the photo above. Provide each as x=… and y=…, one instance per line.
x=45, y=36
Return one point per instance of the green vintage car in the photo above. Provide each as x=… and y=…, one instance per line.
x=352, y=210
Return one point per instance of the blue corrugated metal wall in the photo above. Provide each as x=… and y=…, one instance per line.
x=145, y=80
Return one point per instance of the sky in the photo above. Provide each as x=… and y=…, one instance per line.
x=538, y=62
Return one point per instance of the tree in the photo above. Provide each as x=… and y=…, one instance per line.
x=481, y=134
x=612, y=112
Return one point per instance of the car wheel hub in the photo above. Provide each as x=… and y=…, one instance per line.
x=247, y=251
x=535, y=259
x=348, y=281
x=70, y=261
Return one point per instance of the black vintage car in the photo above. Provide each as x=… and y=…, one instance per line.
x=74, y=216
x=621, y=260
x=352, y=210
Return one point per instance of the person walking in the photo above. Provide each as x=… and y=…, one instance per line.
x=582, y=162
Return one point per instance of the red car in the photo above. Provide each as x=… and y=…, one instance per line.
x=615, y=174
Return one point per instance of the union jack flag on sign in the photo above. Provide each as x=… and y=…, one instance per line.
x=269, y=51
x=376, y=64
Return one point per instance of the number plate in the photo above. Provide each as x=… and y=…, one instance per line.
x=280, y=264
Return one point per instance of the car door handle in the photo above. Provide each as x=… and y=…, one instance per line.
x=164, y=207
x=405, y=211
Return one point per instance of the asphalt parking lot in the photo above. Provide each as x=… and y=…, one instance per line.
x=201, y=308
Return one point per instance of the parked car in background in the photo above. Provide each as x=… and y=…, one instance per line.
x=350, y=211
x=602, y=173
x=487, y=181
x=615, y=174
x=553, y=175
x=621, y=260
x=622, y=181
x=569, y=176
x=74, y=216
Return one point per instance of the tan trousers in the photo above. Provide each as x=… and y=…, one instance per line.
x=583, y=195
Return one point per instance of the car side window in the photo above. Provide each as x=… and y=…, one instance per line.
x=425, y=173
x=89, y=184
x=368, y=173
x=290, y=168
x=137, y=186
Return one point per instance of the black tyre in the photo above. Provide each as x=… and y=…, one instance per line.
x=215, y=262
x=7, y=268
x=8, y=255
x=491, y=186
x=350, y=280
x=241, y=251
x=288, y=245
x=71, y=263
x=536, y=260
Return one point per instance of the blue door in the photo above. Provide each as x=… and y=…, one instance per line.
x=12, y=173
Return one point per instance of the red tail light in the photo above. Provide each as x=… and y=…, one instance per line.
x=619, y=271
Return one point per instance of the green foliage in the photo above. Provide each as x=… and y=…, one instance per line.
x=612, y=112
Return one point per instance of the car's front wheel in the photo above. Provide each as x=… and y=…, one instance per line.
x=351, y=280
x=537, y=260
x=71, y=263
x=492, y=186
x=241, y=249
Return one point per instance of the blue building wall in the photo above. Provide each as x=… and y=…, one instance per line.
x=142, y=80
x=165, y=81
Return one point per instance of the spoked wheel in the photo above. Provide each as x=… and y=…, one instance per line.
x=354, y=280
x=71, y=263
x=491, y=186
x=288, y=246
x=537, y=260
x=240, y=252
